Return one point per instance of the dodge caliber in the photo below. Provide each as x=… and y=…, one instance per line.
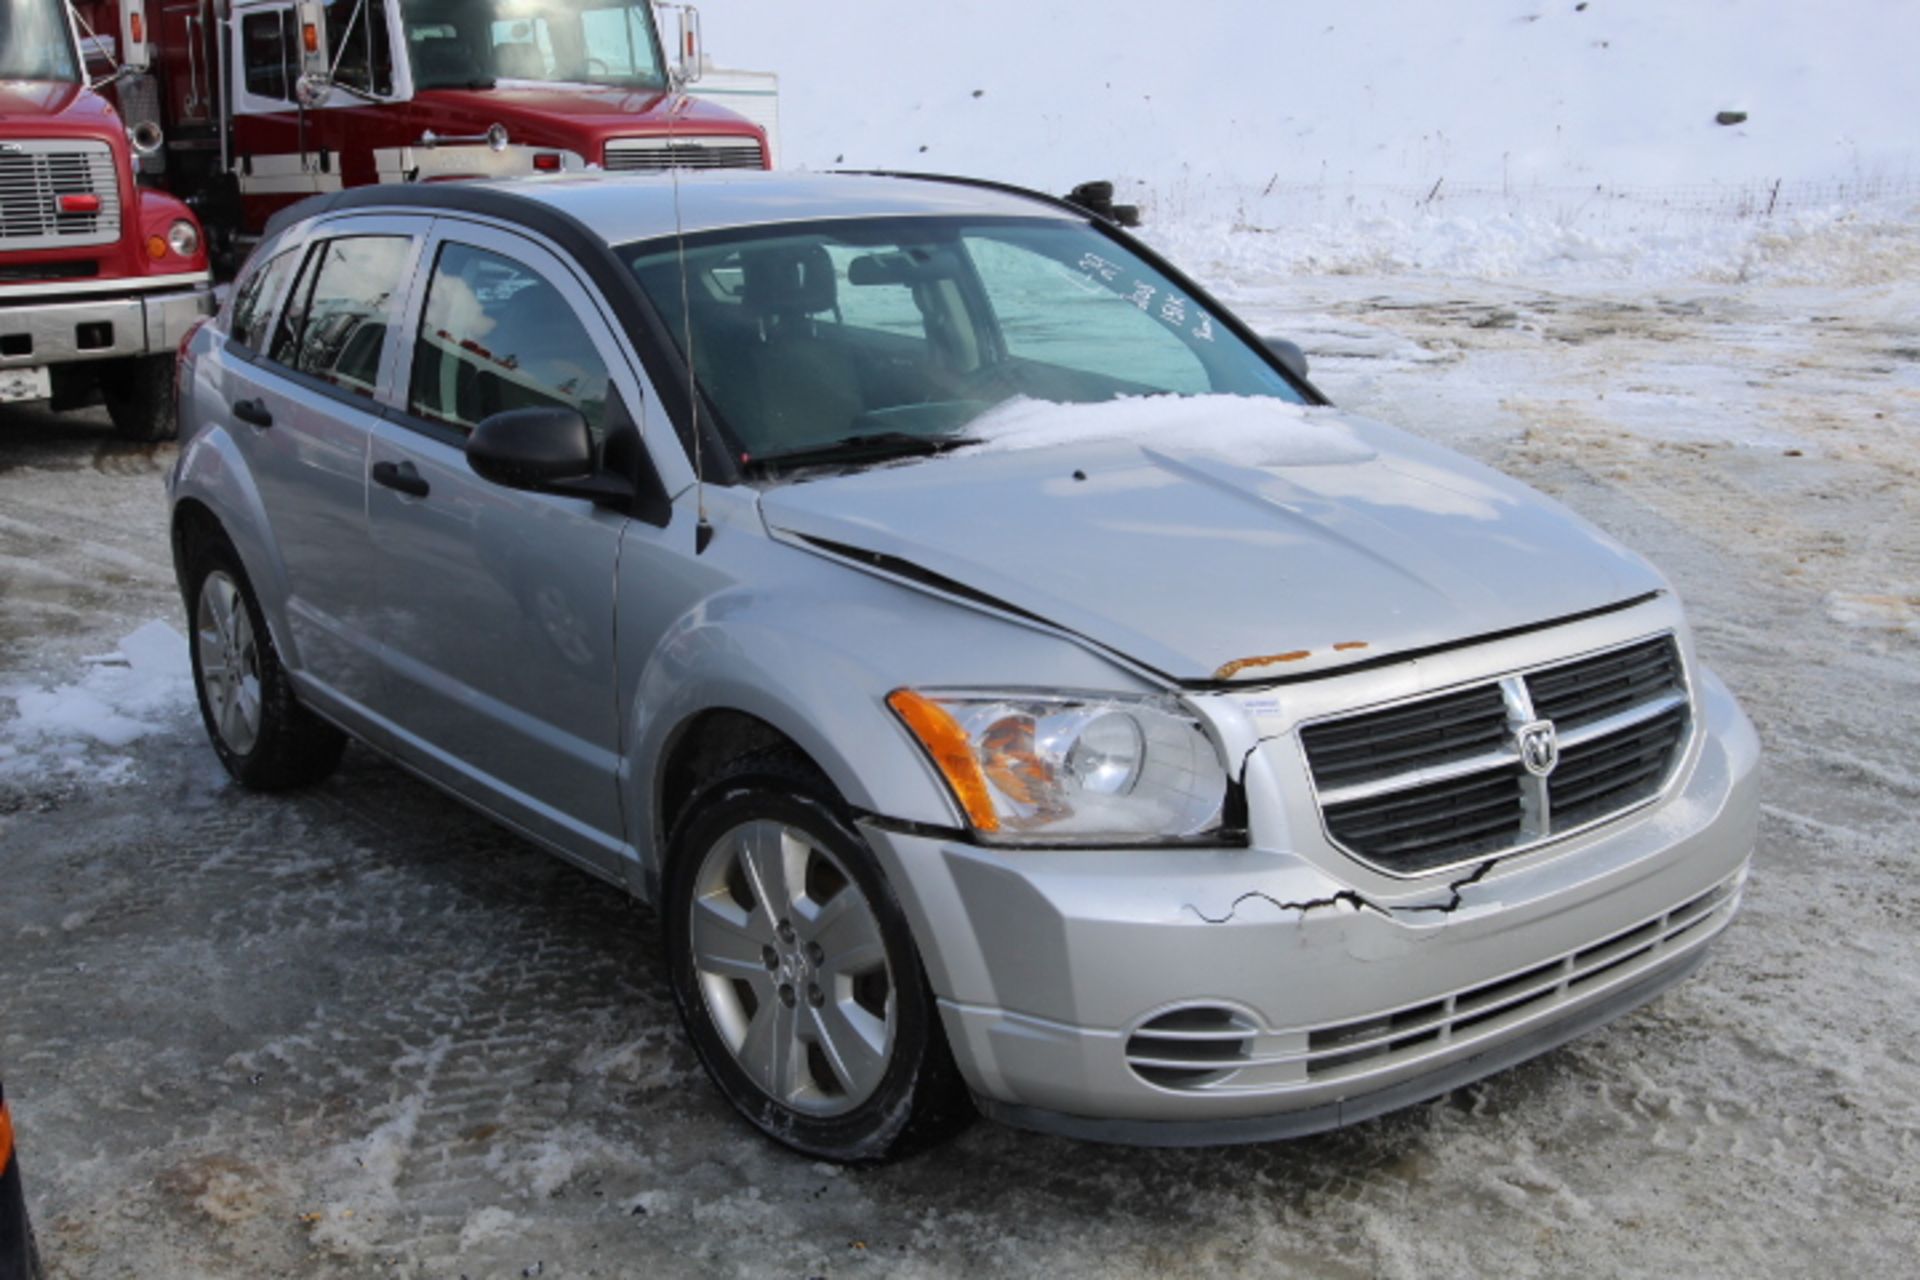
x=1015, y=686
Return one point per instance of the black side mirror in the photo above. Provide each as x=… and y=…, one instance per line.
x=1290, y=356
x=545, y=450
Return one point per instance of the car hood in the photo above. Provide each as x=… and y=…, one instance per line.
x=1207, y=565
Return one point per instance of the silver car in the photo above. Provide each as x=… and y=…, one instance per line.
x=1013, y=684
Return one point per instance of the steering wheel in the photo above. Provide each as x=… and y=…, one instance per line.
x=605, y=72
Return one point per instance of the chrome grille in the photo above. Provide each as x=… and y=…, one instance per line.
x=1440, y=781
x=656, y=155
x=34, y=174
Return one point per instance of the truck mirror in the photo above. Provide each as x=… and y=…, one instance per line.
x=313, y=37
x=690, y=56
x=136, y=54
x=310, y=90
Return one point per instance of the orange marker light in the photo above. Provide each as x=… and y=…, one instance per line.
x=310, y=38
x=6, y=1137
x=946, y=742
x=137, y=28
x=156, y=247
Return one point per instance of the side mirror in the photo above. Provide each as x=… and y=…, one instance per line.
x=1290, y=356
x=533, y=449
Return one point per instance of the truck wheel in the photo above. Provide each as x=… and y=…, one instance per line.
x=264, y=737
x=139, y=396
x=796, y=975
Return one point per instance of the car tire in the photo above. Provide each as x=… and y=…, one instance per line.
x=264, y=737
x=139, y=397
x=836, y=969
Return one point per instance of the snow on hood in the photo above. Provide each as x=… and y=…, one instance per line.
x=1214, y=538
x=1254, y=431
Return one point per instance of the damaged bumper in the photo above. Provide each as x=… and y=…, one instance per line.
x=1185, y=996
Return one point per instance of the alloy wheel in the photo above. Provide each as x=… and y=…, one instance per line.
x=229, y=659
x=790, y=962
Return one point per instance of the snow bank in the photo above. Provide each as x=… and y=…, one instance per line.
x=143, y=688
x=1495, y=238
x=1252, y=431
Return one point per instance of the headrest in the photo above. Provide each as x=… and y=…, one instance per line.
x=789, y=280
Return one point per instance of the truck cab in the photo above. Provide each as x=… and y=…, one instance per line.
x=100, y=277
x=264, y=102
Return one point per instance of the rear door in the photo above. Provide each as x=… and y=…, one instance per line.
x=497, y=606
x=310, y=345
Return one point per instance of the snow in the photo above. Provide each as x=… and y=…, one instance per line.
x=1238, y=96
x=138, y=690
x=1251, y=431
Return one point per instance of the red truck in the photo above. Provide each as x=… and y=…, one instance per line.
x=100, y=276
x=249, y=105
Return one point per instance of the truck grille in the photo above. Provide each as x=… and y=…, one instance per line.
x=35, y=174
x=1440, y=781
x=656, y=155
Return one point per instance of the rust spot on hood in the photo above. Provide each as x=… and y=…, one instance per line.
x=1229, y=670
x=1347, y=645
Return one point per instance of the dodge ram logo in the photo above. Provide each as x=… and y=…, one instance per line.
x=11, y=149
x=1539, y=747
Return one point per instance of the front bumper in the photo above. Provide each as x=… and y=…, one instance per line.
x=1326, y=1000
x=63, y=329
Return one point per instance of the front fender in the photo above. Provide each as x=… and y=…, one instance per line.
x=815, y=655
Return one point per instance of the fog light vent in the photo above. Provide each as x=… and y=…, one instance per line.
x=1190, y=1048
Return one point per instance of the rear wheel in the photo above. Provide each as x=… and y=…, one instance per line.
x=139, y=396
x=261, y=733
x=796, y=974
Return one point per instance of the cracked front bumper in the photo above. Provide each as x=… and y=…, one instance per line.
x=1345, y=1004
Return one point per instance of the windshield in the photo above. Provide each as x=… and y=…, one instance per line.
x=861, y=339
x=35, y=41
x=474, y=43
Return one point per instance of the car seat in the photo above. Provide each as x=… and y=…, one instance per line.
x=805, y=386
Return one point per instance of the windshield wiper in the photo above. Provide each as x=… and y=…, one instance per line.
x=877, y=446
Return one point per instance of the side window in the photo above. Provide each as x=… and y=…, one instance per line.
x=336, y=323
x=1119, y=329
x=265, y=41
x=362, y=51
x=254, y=304
x=496, y=334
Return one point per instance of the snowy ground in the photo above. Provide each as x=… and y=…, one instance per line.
x=358, y=1031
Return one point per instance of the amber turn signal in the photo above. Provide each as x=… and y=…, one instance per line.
x=946, y=742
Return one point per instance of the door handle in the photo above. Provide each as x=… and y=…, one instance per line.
x=253, y=411
x=402, y=476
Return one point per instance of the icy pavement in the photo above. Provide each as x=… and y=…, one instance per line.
x=359, y=1031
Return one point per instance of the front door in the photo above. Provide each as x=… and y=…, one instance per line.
x=497, y=606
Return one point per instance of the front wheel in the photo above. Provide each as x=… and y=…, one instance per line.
x=139, y=396
x=796, y=975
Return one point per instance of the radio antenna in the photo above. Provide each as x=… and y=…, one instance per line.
x=702, y=528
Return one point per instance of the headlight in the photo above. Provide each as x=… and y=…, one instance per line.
x=183, y=238
x=1070, y=769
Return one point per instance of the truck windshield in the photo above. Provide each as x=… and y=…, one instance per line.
x=864, y=339
x=475, y=43
x=35, y=41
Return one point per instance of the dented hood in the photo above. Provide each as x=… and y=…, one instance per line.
x=1206, y=566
